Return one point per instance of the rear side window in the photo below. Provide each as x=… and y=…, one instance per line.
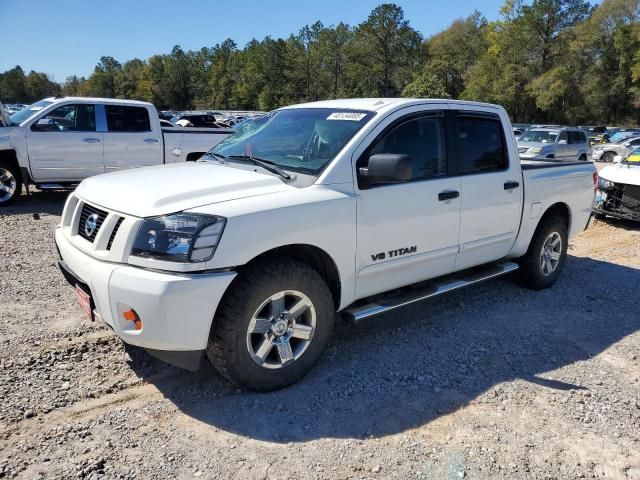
x=127, y=119
x=480, y=144
x=577, y=137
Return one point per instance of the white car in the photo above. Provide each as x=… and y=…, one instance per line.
x=606, y=152
x=618, y=192
x=336, y=206
x=58, y=142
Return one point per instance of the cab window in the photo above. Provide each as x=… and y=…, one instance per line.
x=68, y=118
x=480, y=145
x=423, y=140
x=127, y=119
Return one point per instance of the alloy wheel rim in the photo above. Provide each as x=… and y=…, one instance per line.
x=281, y=330
x=8, y=185
x=550, y=254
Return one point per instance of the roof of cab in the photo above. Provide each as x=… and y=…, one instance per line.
x=385, y=104
x=97, y=100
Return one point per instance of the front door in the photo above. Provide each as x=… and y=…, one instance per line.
x=64, y=146
x=407, y=232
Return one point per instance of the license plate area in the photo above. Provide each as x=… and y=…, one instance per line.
x=85, y=301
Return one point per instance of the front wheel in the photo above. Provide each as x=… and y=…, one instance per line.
x=608, y=157
x=540, y=267
x=272, y=326
x=10, y=184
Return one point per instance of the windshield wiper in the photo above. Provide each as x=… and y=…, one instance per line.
x=217, y=156
x=266, y=164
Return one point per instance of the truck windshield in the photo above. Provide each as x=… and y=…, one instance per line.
x=539, y=136
x=28, y=112
x=299, y=139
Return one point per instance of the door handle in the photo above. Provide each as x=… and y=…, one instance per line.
x=90, y=140
x=511, y=185
x=448, y=195
x=150, y=140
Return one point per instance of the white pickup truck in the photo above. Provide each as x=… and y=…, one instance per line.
x=57, y=142
x=351, y=206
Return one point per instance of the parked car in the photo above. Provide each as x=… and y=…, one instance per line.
x=598, y=134
x=343, y=205
x=564, y=143
x=194, y=120
x=57, y=142
x=517, y=132
x=606, y=152
x=618, y=192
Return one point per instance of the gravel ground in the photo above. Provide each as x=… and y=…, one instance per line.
x=492, y=382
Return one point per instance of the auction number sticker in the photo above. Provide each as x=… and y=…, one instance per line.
x=353, y=116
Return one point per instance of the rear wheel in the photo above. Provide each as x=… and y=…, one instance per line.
x=272, y=326
x=10, y=183
x=540, y=267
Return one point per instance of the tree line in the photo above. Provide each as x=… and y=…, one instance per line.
x=543, y=60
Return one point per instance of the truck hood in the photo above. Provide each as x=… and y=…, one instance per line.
x=621, y=173
x=152, y=191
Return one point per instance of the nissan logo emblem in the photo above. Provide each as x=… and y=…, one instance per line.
x=91, y=224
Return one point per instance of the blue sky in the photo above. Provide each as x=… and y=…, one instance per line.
x=65, y=37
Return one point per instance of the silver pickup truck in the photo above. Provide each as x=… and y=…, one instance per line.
x=58, y=142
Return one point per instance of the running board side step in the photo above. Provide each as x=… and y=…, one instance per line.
x=385, y=302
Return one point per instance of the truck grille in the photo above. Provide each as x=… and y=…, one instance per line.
x=91, y=220
x=113, y=233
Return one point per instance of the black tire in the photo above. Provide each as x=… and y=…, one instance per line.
x=531, y=273
x=607, y=157
x=583, y=158
x=9, y=176
x=228, y=347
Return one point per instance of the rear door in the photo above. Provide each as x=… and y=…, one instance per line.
x=130, y=139
x=407, y=232
x=64, y=145
x=491, y=187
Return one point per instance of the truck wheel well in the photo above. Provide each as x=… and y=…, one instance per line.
x=315, y=257
x=560, y=210
x=10, y=157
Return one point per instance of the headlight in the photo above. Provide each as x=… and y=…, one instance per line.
x=535, y=150
x=183, y=237
x=604, y=184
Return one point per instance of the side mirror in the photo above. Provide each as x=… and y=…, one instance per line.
x=44, y=125
x=388, y=167
x=618, y=159
x=562, y=142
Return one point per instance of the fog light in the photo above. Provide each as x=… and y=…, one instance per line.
x=131, y=316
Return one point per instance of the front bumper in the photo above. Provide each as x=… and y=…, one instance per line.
x=617, y=203
x=176, y=310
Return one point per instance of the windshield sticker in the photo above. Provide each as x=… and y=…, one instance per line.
x=354, y=117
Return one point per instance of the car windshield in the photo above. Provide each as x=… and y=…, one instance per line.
x=539, y=136
x=634, y=157
x=299, y=139
x=617, y=137
x=26, y=113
